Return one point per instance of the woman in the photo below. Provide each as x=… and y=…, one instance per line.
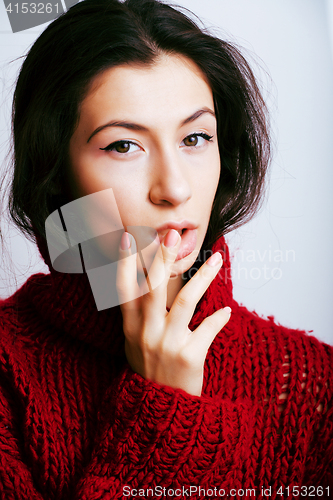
x=170, y=393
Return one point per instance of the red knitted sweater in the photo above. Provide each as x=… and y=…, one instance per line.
x=77, y=423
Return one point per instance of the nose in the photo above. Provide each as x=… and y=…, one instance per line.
x=170, y=180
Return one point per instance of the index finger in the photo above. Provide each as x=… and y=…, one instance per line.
x=185, y=302
x=127, y=285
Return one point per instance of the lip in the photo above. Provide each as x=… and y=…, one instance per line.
x=178, y=226
x=189, y=236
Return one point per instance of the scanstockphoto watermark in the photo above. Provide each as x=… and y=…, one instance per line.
x=252, y=265
x=215, y=492
x=265, y=264
x=187, y=491
x=24, y=15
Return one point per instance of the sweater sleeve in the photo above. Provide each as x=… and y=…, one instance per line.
x=155, y=436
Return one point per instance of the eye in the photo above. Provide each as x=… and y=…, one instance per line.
x=121, y=147
x=197, y=139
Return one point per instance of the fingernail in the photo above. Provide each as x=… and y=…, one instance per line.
x=125, y=242
x=171, y=238
x=214, y=259
x=227, y=309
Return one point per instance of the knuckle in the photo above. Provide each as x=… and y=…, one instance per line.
x=181, y=300
x=189, y=358
x=210, y=323
x=214, y=323
x=148, y=299
x=132, y=323
x=156, y=278
x=208, y=272
x=128, y=327
x=148, y=344
x=121, y=289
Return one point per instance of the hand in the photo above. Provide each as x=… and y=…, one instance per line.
x=158, y=344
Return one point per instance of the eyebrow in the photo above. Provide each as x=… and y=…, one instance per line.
x=141, y=128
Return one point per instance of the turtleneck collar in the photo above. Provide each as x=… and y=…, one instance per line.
x=66, y=302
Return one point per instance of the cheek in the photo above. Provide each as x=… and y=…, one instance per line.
x=88, y=177
x=88, y=172
x=215, y=177
x=208, y=179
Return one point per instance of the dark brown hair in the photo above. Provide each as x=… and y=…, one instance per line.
x=98, y=34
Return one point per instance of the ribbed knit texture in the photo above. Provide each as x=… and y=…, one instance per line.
x=77, y=423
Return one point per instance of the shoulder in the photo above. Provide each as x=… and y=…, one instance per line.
x=265, y=361
x=18, y=316
x=9, y=324
x=296, y=344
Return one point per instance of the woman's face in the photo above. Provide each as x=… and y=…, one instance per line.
x=149, y=133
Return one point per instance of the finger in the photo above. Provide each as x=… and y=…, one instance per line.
x=146, y=257
x=127, y=285
x=203, y=336
x=160, y=270
x=185, y=303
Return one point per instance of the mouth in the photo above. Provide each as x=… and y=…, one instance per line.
x=188, y=234
x=188, y=243
x=162, y=234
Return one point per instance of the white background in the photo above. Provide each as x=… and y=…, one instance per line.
x=282, y=260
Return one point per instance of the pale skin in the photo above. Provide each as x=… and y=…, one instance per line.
x=155, y=144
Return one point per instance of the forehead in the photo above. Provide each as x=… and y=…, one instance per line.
x=171, y=88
